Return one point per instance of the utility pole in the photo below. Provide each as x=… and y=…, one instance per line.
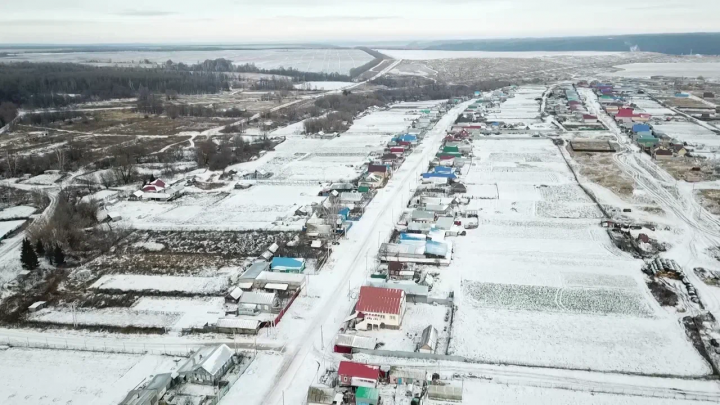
x=322, y=338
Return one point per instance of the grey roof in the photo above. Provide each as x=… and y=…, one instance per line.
x=445, y=392
x=420, y=214
x=210, y=359
x=140, y=397
x=159, y=382
x=429, y=338
x=445, y=223
x=255, y=269
x=359, y=342
x=258, y=298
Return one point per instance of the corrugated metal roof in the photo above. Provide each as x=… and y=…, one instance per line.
x=255, y=269
x=287, y=263
x=359, y=370
x=288, y=278
x=429, y=338
x=380, y=300
x=237, y=323
x=259, y=298
x=276, y=286
x=358, y=342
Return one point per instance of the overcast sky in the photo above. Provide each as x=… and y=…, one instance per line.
x=245, y=21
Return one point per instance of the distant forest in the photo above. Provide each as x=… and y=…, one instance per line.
x=52, y=85
x=673, y=44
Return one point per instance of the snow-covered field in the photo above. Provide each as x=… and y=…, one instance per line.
x=116, y=317
x=9, y=226
x=689, y=132
x=19, y=211
x=270, y=207
x=504, y=394
x=520, y=109
x=44, y=377
x=256, y=381
x=540, y=283
x=194, y=312
x=432, y=54
x=322, y=85
x=308, y=60
x=44, y=179
x=165, y=284
x=682, y=69
x=651, y=106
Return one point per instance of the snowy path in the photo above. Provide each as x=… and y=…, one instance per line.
x=701, y=229
x=376, y=225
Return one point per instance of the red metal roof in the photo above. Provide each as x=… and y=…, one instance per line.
x=379, y=300
x=625, y=112
x=359, y=370
x=158, y=183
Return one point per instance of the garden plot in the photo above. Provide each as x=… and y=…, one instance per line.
x=605, y=343
x=689, y=132
x=417, y=318
x=535, y=289
x=47, y=179
x=35, y=376
x=162, y=284
x=7, y=227
x=262, y=207
x=192, y=312
x=17, y=212
x=493, y=393
x=522, y=108
x=113, y=317
x=204, y=242
x=553, y=299
x=651, y=106
x=482, y=191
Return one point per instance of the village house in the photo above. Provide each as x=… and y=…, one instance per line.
x=662, y=153
x=208, y=365
x=380, y=308
x=358, y=375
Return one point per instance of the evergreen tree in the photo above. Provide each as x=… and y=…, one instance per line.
x=28, y=258
x=59, y=256
x=39, y=248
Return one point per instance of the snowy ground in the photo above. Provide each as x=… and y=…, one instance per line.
x=44, y=179
x=646, y=70
x=167, y=284
x=492, y=393
x=651, y=106
x=251, y=387
x=520, y=109
x=322, y=85
x=540, y=283
x=39, y=377
x=116, y=317
x=689, y=132
x=9, y=226
x=19, y=211
x=417, y=318
x=260, y=207
x=431, y=54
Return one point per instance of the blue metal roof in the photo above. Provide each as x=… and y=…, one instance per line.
x=443, y=169
x=641, y=128
x=444, y=175
x=286, y=262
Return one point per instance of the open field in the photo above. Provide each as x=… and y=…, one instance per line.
x=40, y=377
x=308, y=60
x=432, y=54
x=541, y=284
x=600, y=168
x=645, y=70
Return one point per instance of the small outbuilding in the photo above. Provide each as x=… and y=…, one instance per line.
x=428, y=342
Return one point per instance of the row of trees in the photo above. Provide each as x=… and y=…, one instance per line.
x=219, y=156
x=8, y=112
x=29, y=256
x=50, y=85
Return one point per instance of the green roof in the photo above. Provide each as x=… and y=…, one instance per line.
x=451, y=149
x=367, y=393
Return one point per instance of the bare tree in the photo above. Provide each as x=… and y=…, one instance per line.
x=108, y=179
x=204, y=152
